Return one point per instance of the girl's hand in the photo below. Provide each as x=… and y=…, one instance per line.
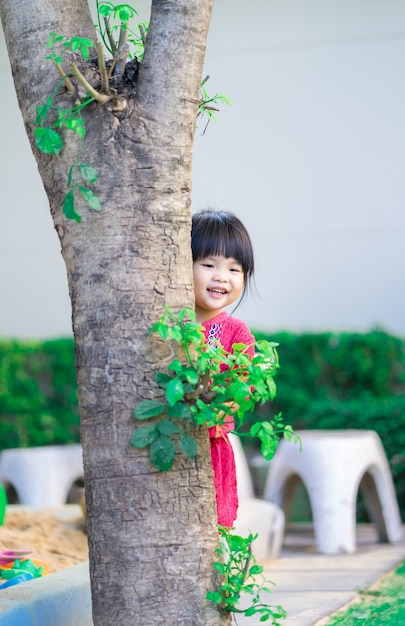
x=220, y=430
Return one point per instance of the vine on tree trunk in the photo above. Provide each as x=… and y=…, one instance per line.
x=239, y=571
x=204, y=388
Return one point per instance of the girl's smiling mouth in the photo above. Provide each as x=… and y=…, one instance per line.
x=217, y=290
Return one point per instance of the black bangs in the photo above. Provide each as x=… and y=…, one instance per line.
x=220, y=233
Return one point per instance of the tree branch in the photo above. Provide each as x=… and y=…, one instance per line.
x=105, y=86
x=109, y=35
x=68, y=83
x=98, y=97
x=119, y=58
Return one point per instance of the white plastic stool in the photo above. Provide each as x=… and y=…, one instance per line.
x=42, y=476
x=243, y=477
x=333, y=465
x=256, y=516
x=267, y=521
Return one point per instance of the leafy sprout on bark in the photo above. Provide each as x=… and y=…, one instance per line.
x=203, y=389
x=73, y=62
x=208, y=105
x=241, y=575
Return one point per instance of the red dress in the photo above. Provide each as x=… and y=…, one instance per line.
x=227, y=330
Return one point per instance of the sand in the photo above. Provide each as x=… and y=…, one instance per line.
x=56, y=536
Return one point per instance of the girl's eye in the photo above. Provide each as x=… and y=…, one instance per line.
x=235, y=269
x=208, y=265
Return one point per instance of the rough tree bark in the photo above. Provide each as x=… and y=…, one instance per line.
x=151, y=535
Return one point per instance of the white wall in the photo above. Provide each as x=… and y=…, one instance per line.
x=310, y=156
x=33, y=284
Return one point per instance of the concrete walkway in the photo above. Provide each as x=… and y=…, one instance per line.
x=311, y=586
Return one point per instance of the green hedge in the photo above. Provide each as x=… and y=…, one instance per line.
x=38, y=393
x=347, y=380
x=326, y=381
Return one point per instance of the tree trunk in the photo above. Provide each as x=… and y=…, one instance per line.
x=151, y=535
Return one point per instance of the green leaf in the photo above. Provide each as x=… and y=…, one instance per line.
x=214, y=596
x=239, y=347
x=250, y=588
x=54, y=38
x=91, y=198
x=68, y=207
x=255, y=429
x=174, y=391
x=267, y=428
x=105, y=9
x=255, y=569
x=269, y=447
x=289, y=435
x=271, y=385
x=180, y=411
x=161, y=329
x=162, y=453
x=220, y=567
x=241, y=393
x=124, y=14
x=165, y=427
x=144, y=436
x=250, y=611
x=76, y=124
x=162, y=379
x=48, y=140
x=42, y=112
x=188, y=446
x=82, y=44
x=191, y=376
x=149, y=408
x=88, y=172
x=175, y=366
x=236, y=543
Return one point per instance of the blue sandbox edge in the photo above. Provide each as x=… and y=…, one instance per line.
x=62, y=598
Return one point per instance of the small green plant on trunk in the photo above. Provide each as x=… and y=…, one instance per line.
x=86, y=80
x=240, y=574
x=203, y=389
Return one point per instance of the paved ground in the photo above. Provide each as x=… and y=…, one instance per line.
x=311, y=586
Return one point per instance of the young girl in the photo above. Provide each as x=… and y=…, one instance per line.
x=223, y=265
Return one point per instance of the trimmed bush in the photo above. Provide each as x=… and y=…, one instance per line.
x=38, y=393
x=326, y=381
x=341, y=381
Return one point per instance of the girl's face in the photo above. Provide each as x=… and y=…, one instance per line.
x=218, y=282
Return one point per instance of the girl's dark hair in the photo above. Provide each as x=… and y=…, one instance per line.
x=221, y=233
